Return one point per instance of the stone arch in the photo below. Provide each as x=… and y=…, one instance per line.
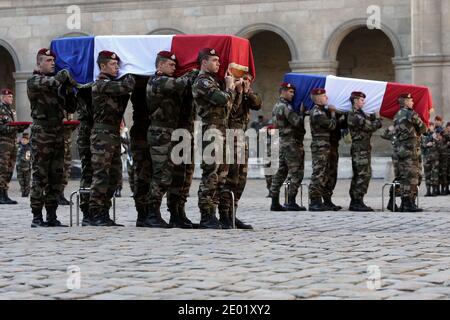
x=253, y=29
x=335, y=40
x=12, y=52
x=165, y=31
x=75, y=34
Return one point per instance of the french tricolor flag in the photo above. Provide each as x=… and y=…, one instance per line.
x=382, y=96
x=138, y=53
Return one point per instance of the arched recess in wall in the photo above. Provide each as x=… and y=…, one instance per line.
x=10, y=64
x=165, y=31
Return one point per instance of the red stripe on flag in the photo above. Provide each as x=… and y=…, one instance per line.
x=231, y=49
x=423, y=101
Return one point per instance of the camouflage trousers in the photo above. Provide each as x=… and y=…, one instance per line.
x=130, y=171
x=142, y=163
x=67, y=157
x=107, y=168
x=84, y=150
x=332, y=170
x=160, y=141
x=214, y=168
x=431, y=169
x=181, y=180
x=362, y=172
x=236, y=178
x=320, y=153
x=23, y=169
x=47, y=154
x=8, y=152
x=292, y=163
x=443, y=168
x=409, y=176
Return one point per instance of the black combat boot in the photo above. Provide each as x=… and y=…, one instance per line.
x=276, y=206
x=292, y=205
x=328, y=203
x=38, y=221
x=62, y=201
x=225, y=218
x=316, y=205
x=242, y=225
x=443, y=192
x=392, y=206
x=408, y=205
x=4, y=199
x=355, y=205
x=182, y=213
x=100, y=218
x=118, y=193
x=360, y=206
x=435, y=191
x=52, y=220
x=447, y=191
x=208, y=220
x=154, y=219
x=141, y=216
x=175, y=218
x=25, y=194
x=428, y=194
x=86, y=221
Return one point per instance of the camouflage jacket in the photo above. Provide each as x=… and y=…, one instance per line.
x=361, y=127
x=46, y=105
x=291, y=125
x=408, y=126
x=7, y=114
x=211, y=102
x=164, y=98
x=109, y=101
x=445, y=142
x=141, y=118
x=240, y=111
x=84, y=107
x=433, y=148
x=322, y=123
x=24, y=152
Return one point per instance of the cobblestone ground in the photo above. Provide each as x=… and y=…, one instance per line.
x=330, y=255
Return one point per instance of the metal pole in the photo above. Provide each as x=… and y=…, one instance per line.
x=78, y=208
x=394, y=200
x=114, y=208
x=233, y=210
x=71, y=209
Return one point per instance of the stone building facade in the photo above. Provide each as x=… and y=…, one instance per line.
x=412, y=44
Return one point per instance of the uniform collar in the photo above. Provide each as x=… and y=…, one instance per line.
x=105, y=76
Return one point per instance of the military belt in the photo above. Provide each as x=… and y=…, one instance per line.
x=104, y=126
x=48, y=122
x=215, y=121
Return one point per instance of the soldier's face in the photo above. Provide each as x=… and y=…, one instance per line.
x=438, y=123
x=212, y=64
x=167, y=67
x=8, y=99
x=359, y=103
x=322, y=99
x=409, y=103
x=111, y=68
x=47, y=65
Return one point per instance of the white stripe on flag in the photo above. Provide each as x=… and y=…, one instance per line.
x=339, y=90
x=137, y=53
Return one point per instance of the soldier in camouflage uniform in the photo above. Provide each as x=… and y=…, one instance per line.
x=323, y=122
x=23, y=165
x=292, y=155
x=361, y=127
x=109, y=101
x=446, y=141
x=68, y=130
x=213, y=105
x=47, y=137
x=389, y=134
x=430, y=152
x=164, y=94
x=244, y=101
x=443, y=160
x=8, y=147
x=408, y=126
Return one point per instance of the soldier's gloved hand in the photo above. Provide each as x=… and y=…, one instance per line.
x=372, y=117
x=62, y=76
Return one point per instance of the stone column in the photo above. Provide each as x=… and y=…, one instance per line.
x=21, y=99
x=326, y=67
x=427, y=58
x=402, y=67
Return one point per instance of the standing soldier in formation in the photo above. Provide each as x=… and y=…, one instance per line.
x=389, y=134
x=361, y=127
x=430, y=152
x=213, y=105
x=109, y=101
x=323, y=122
x=47, y=137
x=267, y=157
x=443, y=161
x=408, y=126
x=164, y=94
x=446, y=141
x=291, y=128
x=140, y=150
x=244, y=101
x=68, y=130
x=23, y=165
x=8, y=147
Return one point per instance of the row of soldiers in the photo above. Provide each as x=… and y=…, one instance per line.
x=161, y=104
x=327, y=124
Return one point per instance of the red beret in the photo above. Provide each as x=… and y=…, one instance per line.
x=318, y=91
x=287, y=85
x=46, y=52
x=406, y=96
x=438, y=118
x=6, y=92
x=358, y=94
x=206, y=52
x=168, y=55
x=109, y=55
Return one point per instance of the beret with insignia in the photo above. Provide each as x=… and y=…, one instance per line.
x=109, y=55
x=6, y=91
x=206, y=52
x=168, y=55
x=286, y=86
x=318, y=91
x=46, y=52
x=406, y=96
x=358, y=94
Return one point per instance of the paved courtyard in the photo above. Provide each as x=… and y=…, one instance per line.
x=330, y=255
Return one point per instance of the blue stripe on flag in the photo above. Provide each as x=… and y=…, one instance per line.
x=77, y=55
x=304, y=83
